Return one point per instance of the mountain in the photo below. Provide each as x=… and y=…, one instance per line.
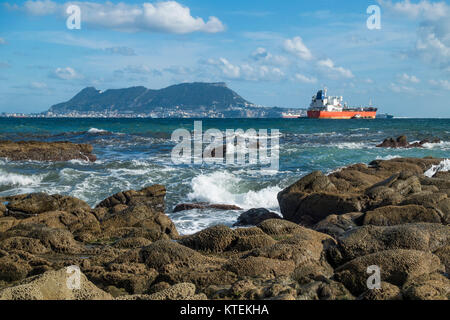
x=186, y=97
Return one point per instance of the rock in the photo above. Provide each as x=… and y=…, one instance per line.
x=37, y=203
x=24, y=244
x=252, y=242
x=394, y=215
x=253, y=217
x=260, y=267
x=2, y=209
x=397, y=267
x=371, y=239
x=204, y=206
x=336, y=226
x=402, y=142
x=165, y=252
x=214, y=239
x=132, y=242
x=444, y=254
x=52, y=285
x=152, y=196
x=325, y=289
x=427, y=287
x=180, y=291
x=387, y=292
x=46, y=151
x=7, y=223
x=13, y=268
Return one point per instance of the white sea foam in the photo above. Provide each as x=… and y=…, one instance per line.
x=352, y=145
x=14, y=179
x=444, y=166
x=95, y=130
x=440, y=145
x=222, y=187
x=388, y=157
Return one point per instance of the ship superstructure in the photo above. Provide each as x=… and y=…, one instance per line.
x=329, y=107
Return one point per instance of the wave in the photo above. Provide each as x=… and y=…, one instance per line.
x=440, y=145
x=95, y=130
x=14, y=179
x=444, y=166
x=224, y=188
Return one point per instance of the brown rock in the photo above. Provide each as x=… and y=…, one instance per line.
x=152, y=196
x=46, y=151
x=204, y=206
x=214, y=239
x=260, y=267
x=427, y=287
x=387, y=292
x=394, y=215
x=253, y=217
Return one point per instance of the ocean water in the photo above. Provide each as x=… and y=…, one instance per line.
x=134, y=153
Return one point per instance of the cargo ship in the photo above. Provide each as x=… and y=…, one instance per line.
x=324, y=107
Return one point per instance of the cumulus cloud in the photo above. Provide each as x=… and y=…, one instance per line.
x=328, y=66
x=433, y=35
x=66, y=73
x=305, y=79
x=406, y=78
x=442, y=84
x=245, y=71
x=163, y=16
x=298, y=48
x=262, y=55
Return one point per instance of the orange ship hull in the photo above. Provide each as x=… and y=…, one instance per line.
x=342, y=115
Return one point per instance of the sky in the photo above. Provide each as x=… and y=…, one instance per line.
x=272, y=53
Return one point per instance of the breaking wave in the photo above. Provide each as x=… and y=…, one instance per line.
x=444, y=166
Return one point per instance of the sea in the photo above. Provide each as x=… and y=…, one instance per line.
x=135, y=153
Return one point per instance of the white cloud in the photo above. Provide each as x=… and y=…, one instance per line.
x=433, y=42
x=333, y=71
x=298, y=48
x=442, y=84
x=261, y=54
x=246, y=71
x=405, y=78
x=66, y=73
x=398, y=88
x=305, y=79
x=163, y=16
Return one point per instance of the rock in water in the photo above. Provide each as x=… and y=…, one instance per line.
x=254, y=217
x=46, y=151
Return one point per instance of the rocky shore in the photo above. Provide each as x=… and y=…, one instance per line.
x=386, y=214
x=46, y=151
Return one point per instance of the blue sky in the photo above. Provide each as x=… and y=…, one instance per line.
x=273, y=53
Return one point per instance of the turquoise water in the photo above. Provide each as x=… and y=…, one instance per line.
x=133, y=153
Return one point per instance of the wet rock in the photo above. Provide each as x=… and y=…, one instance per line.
x=402, y=142
x=46, y=151
x=204, y=206
x=253, y=217
x=397, y=267
x=52, y=285
x=395, y=215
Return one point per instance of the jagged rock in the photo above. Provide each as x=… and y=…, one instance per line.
x=132, y=242
x=371, y=239
x=37, y=203
x=46, y=151
x=13, y=268
x=253, y=217
x=394, y=215
x=204, y=206
x=24, y=244
x=52, y=285
x=397, y=267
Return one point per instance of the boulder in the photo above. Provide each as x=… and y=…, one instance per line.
x=254, y=217
x=46, y=151
x=37, y=203
x=369, y=239
x=152, y=196
x=214, y=239
x=336, y=226
x=260, y=267
x=24, y=244
x=386, y=292
x=394, y=215
x=54, y=285
x=427, y=287
x=397, y=267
